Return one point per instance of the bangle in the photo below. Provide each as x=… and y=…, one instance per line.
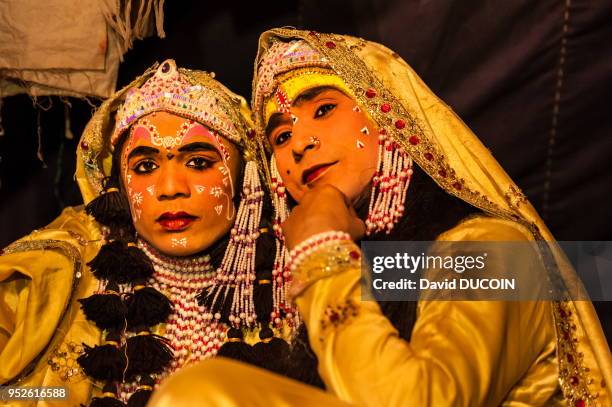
x=322, y=256
x=313, y=243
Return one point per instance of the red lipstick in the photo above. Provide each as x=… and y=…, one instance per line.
x=315, y=172
x=175, y=221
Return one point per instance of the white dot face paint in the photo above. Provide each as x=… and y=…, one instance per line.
x=182, y=242
x=174, y=187
x=360, y=144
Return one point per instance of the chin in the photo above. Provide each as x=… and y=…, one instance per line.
x=174, y=248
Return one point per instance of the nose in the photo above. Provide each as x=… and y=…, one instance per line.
x=303, y=140
x=172, y=183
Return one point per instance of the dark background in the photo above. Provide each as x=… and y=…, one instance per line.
x=531, y=78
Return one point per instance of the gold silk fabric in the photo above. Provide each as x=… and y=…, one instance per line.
x=41, y=324
x=399, y=102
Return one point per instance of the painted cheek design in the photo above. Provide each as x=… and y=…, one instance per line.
x=223, y=169
x=218, y=192
x=218, y=209
x=199, y=188
x=135, y=203
x=151, y=190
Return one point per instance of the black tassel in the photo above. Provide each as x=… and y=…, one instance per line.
x=111, y=208
x=147, y=307
x=147, y=354
x=271, y=352
x=106, y=402
x=108, y=399
x=140, y=267
x=262, y=297
x=106, y=310
x=121, y=263
x=223, y=302
x=266, y=244
x=204, y=298
x=236, y=348
x=141, y=397
x=104, y=362
x=111, y=263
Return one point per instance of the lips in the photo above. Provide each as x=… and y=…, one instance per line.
x=316, y=171
x=175, y=221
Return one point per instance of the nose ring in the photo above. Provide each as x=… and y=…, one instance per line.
x=315, y=140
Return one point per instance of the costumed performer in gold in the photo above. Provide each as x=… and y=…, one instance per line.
x=359, y=144
x=173, y=270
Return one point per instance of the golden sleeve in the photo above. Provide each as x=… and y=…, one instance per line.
x=38, y=277
x=477, y=353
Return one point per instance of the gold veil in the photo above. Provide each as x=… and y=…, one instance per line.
x=447, y=150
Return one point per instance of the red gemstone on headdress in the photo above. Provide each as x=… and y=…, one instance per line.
x=313, y=33
x=574, y=380
x=354, y=254
x=457, y=185
x=251, y=133
x=84, y=145
x=579, y=403
x=370, y=93
x=570, y=358
x=414, y=140
x=442, y=173
x=400, y=124
x=330, y=44
x=429, y=156
x=385, y=108
x=165, y=67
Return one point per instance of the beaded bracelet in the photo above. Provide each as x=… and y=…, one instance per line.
x=314, y=242
x=320, y=256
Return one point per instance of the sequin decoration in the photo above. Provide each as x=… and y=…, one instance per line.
x=63, y=361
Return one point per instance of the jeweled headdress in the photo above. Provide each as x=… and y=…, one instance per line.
x=170, y=90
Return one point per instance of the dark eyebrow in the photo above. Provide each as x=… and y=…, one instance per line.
x=276, y=120
x=198, y=146
x=142, y=150
x=311, y=93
